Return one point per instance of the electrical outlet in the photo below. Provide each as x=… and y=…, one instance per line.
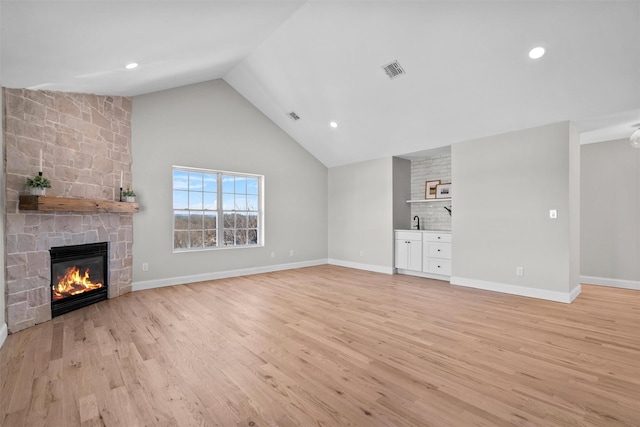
x=519, y=271
x=273, y=254
x=361, y=253
x=553, y=213
x=291, y=252
x=145, y=266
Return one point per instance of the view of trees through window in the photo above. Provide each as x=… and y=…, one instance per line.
x=215, y=209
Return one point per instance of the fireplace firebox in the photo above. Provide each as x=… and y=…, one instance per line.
x=79, y=276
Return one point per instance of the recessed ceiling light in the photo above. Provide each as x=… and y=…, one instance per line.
x=536, y=52
x=131, y=66
x=333, y=124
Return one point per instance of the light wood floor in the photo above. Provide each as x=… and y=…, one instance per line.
x=329, y=346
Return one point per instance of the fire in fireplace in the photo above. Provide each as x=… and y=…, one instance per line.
x=74, y=282
x=79, y=276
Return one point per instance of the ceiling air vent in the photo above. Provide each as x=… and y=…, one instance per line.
x=393, y=70
x=294, y=116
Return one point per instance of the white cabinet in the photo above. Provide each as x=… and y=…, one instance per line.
x=409, y=250
x=424, y=253
x=436, y=253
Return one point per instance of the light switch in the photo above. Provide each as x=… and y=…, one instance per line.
x=553, y=213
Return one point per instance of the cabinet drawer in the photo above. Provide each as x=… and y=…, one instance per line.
x=439, y=266
x=439, y=250
x=409, y=235
x=438, y=237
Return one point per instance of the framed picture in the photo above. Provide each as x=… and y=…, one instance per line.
x=430, y=189
x=443, y=191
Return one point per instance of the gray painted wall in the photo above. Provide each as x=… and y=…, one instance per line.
x=610, y=233
x=505, y=186
x=361, y=213
x=574, y=207
x=3, y=318
x=210, y=125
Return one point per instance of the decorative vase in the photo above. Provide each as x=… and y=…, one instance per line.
x=130, y=199
x=37, y=191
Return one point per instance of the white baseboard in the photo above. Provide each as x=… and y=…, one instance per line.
x=565, y=297
x=574, y=293
x=423, y=274
x=172, y=281
x=615, y=283
x=3, y=334
x=359, y=266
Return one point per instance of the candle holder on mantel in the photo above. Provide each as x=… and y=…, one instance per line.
x=121, y=194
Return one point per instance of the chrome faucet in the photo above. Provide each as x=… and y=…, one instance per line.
x=418, y=218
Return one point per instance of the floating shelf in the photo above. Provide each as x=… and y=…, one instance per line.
x=66, y=204
x=429, y=200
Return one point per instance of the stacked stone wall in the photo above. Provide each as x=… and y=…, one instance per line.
x=86, y=145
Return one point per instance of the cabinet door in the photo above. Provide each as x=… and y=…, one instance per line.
x=409, y=254
x=402, y=254
x=415, y=255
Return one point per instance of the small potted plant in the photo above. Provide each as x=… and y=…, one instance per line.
x=129, y=195
x=38, y=185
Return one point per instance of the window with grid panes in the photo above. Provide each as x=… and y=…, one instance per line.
x=215, y=209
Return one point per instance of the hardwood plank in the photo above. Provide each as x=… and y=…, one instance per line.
x=328, y=346
x=88, y=408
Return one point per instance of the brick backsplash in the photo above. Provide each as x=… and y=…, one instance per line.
x=86, y=142
x=432, y=215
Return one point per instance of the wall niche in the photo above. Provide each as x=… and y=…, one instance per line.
x=432, y=215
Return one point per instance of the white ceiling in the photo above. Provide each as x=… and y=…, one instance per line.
x=467, y=70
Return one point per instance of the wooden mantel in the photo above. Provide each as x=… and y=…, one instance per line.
x=66, y=204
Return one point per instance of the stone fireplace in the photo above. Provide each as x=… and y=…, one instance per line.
x=86, y=145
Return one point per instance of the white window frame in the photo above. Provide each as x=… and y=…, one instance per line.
x=220, y=219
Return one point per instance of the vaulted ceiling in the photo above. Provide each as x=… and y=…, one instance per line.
x=467, y=70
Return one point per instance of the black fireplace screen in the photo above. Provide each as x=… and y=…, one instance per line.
x=79, y=276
